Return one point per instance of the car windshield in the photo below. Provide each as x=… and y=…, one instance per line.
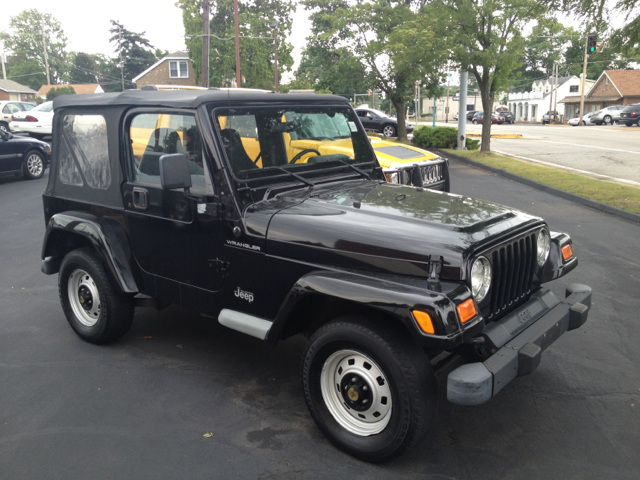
x=378, y=113
x=44, y=107
x=272, y=142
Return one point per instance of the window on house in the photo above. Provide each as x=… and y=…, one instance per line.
x=573, y=89
x=178, y=70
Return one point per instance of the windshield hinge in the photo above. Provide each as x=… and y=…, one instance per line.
x=435, y=268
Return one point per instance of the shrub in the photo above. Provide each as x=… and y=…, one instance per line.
x=440, y=137
x=56, y=92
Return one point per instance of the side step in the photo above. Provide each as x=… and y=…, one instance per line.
x=254, y=326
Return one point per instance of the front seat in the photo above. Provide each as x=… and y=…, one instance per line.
x=238, y=157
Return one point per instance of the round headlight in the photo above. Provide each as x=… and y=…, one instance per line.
x=544, y=243
x=480, y=278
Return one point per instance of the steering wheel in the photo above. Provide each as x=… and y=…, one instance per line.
x=306, y=150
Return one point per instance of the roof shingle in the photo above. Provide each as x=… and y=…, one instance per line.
x=11, y=86
x=626, y=81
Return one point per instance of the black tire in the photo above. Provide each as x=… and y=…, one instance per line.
x=389, y=131
x=4, y=126
x=475, y=122
x=409, y=379
x=111, y=316
x=629, y=124
x=33, y=165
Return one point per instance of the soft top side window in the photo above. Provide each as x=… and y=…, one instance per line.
x=155, y=134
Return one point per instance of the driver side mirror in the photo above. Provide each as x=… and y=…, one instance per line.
x=174, y=171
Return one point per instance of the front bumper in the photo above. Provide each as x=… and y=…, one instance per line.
x=519, y=340
x=431, y=174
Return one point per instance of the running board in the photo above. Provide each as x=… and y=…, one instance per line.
x=254, y=326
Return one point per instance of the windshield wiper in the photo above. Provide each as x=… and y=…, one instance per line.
x=352, y=167
x=294, y=175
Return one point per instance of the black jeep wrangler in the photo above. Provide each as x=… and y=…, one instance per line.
x=271, y=213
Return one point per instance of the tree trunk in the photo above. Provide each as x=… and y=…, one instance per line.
x=402, y=121
x=487, y=108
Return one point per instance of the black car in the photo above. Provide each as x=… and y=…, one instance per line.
x=508, y=117
x=23, y=156
x=378, y=121
x=271, y=213
x=471, y=114
x=630, y=115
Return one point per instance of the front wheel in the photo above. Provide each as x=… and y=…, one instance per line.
x=95, y=308
x=33, y=167
x=369, y=389
x=475, y=122
x=607, y=120
x=389, y=131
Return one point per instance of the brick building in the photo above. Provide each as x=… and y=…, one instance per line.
x=10, y=90
x=613, y=87
x=176, y=69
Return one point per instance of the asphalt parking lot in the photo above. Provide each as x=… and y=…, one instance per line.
x=144, y=406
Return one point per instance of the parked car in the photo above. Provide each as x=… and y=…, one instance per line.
x=508, y=117
x=378, y=121
x=630, y=115
x=608, y=115
x=470, y=114
x=587, y=120
x=554, y=117
x=479, y=118
x=409, y=165
x=303, y=237
x=36, y=122
x=23, y=156
x=8, y=108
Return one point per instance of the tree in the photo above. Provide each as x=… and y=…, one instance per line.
x=135, y=50
x=56, y=92
x=392, y=47
x=26, y=71
x=31, y=30
x=485, y=38
x=256, y=40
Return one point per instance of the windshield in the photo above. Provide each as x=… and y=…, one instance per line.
x=378, y=112
x=294, y=142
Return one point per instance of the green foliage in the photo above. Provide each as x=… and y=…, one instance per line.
x=440, y=137
x=472, y=144
x=256, y=40
x=25, y=42
x=485, y=38
x=376, y=44
x=25, y=71
x=56, y=92
x=136, y=51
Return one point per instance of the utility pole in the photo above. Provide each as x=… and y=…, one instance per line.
x=274, y=25
x=446, y=110
x=555, y=97
x=206, y=40
x=235, y=13
x=46, y=57
x=4, y=72
x=120, y=53
x=550, y=80
x=584, y=74
x=462, y=110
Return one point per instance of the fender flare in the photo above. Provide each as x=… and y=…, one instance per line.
x=393, y=299
x=105, y=234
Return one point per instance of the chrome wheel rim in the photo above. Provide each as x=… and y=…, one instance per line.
x=607, y=120
x=4, y=128
x=34, y=164
x=84, y=297
x=356, y=392
x=388, y=131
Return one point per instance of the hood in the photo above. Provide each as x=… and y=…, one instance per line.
x=392, y=153
x=30, y=140
x=390, y=228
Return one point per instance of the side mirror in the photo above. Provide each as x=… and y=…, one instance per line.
x=174, y=171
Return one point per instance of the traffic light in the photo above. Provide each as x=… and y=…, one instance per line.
x=369, y=92
x=592, y=44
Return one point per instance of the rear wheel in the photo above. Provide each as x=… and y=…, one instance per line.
x=95, y=308
x=4, y=127
x=33, y=166
x=369, y=389
x=475, y=122
x=607, y=120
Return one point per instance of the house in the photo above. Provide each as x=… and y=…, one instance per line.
x=175, y=69
x=79, y=89
x=10, y=90
x=613, y=87
x=531, y=106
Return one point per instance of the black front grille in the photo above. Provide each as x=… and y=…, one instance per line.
x=513, y=267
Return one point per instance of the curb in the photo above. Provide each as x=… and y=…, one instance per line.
x=497, y=135
x=634, y=217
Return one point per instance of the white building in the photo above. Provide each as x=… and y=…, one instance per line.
x=531, y=106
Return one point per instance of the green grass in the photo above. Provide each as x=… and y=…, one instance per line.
x=610, y=193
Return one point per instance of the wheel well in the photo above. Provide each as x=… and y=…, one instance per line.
x=318, y=310
x=60, y=243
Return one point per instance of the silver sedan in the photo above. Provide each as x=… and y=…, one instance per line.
x=587, y=120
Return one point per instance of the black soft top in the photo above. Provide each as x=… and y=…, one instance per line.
x=188, y=98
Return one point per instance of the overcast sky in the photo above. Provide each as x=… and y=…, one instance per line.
x=87, y=23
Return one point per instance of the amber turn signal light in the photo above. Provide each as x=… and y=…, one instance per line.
x=423, y=319
x=467, y=310
x=566, y=252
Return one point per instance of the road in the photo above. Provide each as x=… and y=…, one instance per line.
x=141, y=407
x=609, y=151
